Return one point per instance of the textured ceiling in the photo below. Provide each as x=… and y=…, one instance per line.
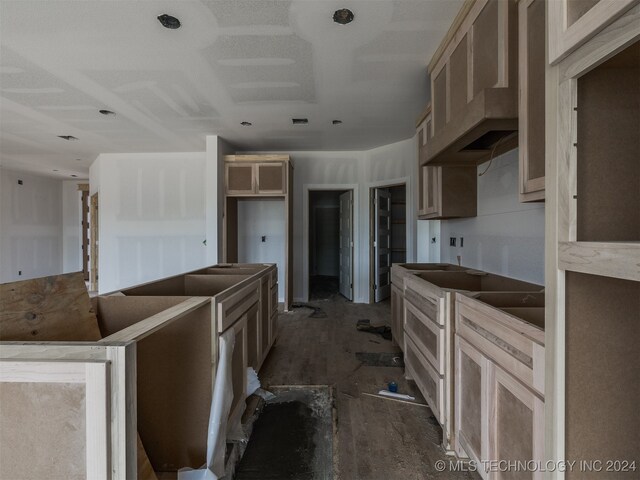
x=262, y=61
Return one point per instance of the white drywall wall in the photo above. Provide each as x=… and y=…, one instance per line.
x=152, y=218
x=507, y=237
x=30, y=226
x=258, y=218
x=387, y=165
x=71, y=227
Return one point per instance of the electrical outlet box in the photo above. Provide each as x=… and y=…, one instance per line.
x=264, y=238
x=19, y=272
x=452, y=241
x=461, y=242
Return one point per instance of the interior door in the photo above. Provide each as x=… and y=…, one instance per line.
x=382, y=244
x=346, y=244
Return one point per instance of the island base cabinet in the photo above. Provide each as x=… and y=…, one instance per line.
x=499, y=421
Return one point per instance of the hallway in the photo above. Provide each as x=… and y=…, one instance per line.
x=376, y=438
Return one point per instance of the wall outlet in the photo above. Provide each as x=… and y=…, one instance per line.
x=452, y=241
x=19, y=272
x=264, y=238
x=19, y=182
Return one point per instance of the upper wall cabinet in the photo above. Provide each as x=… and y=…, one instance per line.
x=573, y=22
x=246, y=177
x=474, y=85
x=531, y=143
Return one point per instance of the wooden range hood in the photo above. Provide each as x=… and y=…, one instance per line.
x=474, y=85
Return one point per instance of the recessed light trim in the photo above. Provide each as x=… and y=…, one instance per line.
x=55, y=170
x=106, y=112
x=300, y=121
x=169, y=21
x=343, y=16
x=71, y=138
x=337, y=122
x=246, y=124
x=74, y=176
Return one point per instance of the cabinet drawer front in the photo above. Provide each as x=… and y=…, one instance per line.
x=233, y=307
x=427, y=306
x=427, y=336
x=431, y=384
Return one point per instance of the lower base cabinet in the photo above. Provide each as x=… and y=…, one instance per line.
x=397, y=317
x=500, y=422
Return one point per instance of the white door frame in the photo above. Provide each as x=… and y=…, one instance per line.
x=411, y=224
x=306, y=188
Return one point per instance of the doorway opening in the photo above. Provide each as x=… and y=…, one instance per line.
x=388, y=237
x=330, y=244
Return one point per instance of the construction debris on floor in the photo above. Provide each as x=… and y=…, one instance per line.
x=384, y=331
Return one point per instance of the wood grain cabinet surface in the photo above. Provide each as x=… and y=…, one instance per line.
x=531, y=141
x=447, y=192
x=499, y=379
x=474, y=85
x=574, y=22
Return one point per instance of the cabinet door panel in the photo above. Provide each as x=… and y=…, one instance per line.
x=254, y=346
x=532, y=89
x=470, y=400
x=517, y=431
x=240, y=179
x=432, y=191
x=270, y=178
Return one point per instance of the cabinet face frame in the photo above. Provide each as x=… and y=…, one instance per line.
x=564, y=38
x=563, y=253
x=531, y=189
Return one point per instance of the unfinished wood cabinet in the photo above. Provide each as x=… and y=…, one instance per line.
x=429, y=321
x=474, y=85
x=531, y=143
x=130, y=376
x=499, y=379
x=255, y=177
x=574, y=22
x=593, y=241
x=248, y=175
x=448, y=192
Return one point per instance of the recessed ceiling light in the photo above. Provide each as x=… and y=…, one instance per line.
x=168, y=21
x=55, y=170
x=300, y=121
x=246, y=124
x=78, y=159
x=337, y=122
x=343, y=16
x=67, y=137
x=107, y=112
x=74, y=176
